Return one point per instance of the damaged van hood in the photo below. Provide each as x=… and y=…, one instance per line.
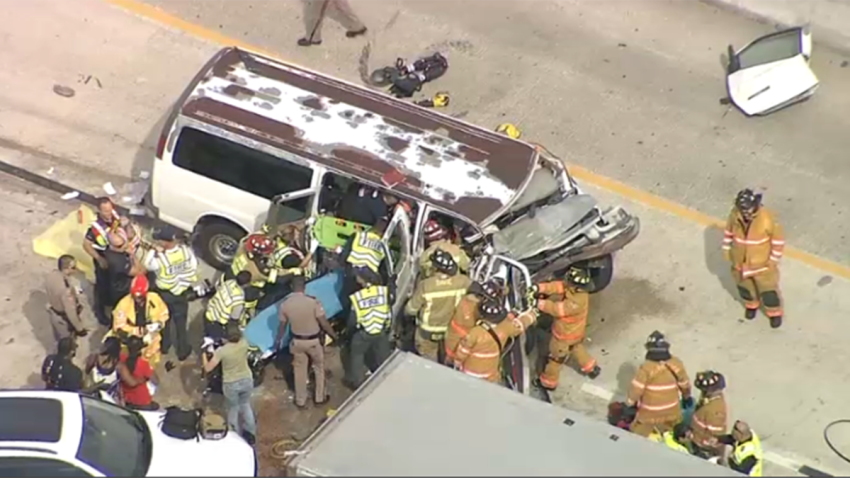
x=547, y=230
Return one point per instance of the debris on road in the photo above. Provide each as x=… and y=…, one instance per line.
x=406, y=79
x=109, y=189
x=71, y=195
x=440, y=100
x=65, y=91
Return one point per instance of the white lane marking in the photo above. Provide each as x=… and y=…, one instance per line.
x=597, y=391
x=782, y=460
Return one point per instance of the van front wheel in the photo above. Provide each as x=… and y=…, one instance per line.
x=218, y=241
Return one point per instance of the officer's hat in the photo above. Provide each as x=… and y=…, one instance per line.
x=165, y=233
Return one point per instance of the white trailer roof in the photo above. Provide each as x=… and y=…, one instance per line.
x=416, y=418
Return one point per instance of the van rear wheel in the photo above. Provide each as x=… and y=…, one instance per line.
x=218, y=242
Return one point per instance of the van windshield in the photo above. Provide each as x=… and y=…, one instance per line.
x=543, y=184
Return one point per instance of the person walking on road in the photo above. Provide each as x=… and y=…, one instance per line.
x=237, y=381
x=369, y=324
x=64, y=300
x=96, y=241
x=315, y=12
x=176, y=269
x=656, y=388
x=306, y=317
x=754, y=242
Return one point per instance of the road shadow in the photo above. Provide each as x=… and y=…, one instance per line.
x=34, y=309
x=144, y=157
x=34, y=381
x=625, y=374
x=625, y=301
x=714, y=261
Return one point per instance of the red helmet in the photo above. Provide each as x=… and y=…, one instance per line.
x=259, y=244
x=434, y=231
x=140, y=286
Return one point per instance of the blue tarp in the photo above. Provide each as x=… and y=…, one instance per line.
x=262, y=330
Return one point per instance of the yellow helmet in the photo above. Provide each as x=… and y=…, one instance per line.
x=509, y=130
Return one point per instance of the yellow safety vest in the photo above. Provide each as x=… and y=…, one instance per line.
x=747, y=449
x=178, y=269
x=228, y=296
x=367, y=250
x=241, y=263
x=668, y=439
x=280, y=253
x=101, y=236
x=372, y=308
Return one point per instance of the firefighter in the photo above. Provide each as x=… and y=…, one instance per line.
x=369, y=321
x=466, y=314
x=437, y=237
x=569, y=326
x=656, y=388
x=176, y=269
x=479, y=354
x=142, y=313
x=677, y=439
x=226, y=305
x=753, y=242
x=434, y=302
x=709, y=420
x=747, y=455
x=254, y=256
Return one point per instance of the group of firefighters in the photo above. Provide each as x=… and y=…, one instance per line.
x=458, y=322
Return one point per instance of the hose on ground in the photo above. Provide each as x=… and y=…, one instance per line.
x=829, y=443
x=284, y=449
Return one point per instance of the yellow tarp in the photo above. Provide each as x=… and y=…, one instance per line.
x=66, y=237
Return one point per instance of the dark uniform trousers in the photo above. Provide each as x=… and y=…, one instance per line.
x=362, y=345
x=102, y=296
x=177, y=324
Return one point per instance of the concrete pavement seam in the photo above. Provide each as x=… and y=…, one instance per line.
x=153, y=13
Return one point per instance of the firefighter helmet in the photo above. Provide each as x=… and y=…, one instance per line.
x=444, y=262
x=494, y=287
x=139, y=286
x=578, y=277
x=492, y=310
x=434, y=231
x=747, y=202
x=710, y=381
x=656, y=342
x=258, y=245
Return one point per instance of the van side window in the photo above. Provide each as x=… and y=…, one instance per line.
x=244, y=168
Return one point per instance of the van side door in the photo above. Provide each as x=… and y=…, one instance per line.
x=400, y=260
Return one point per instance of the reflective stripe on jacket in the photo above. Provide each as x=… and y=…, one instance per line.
x=479, y=355
x=709, y=421
x=367, y=250
x=435, y=299
x=176, y=269
x=463, y=320
x=755, y=247
x=749, y=448
x=226, y=302
x=656, y=390
x=372, y=308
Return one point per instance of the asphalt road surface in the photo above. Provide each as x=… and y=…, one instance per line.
x=626, y=90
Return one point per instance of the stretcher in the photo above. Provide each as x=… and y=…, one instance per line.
x=261, y=331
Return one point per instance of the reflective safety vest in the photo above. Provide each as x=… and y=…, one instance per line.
x=177, y=269
x=101, y=232
x=241, y=263
x=372, y=308
x=668, y=439
x=282, y=252
x=367, y=250
x=228, y=296
x=747, y=449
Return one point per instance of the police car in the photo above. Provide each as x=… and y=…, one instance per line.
x=52, y=433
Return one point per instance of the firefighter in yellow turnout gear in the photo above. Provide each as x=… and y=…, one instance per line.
x=434, y=302
x=253, y=256
x=569, y=313
x=141, y=313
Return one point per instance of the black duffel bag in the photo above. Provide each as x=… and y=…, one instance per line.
x=181, y=424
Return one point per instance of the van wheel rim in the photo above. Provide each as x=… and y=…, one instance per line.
x=223, y=247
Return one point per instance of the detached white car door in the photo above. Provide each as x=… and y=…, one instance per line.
x=771, y=72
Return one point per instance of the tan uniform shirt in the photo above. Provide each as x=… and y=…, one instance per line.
x=62, y=297
x=302, y=312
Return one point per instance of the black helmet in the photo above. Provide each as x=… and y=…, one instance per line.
x=492, y=310
x=747, y=202
x=444, y=262
x=578, y=277
x=494, y=288
x=656, y=342
x=710, y=381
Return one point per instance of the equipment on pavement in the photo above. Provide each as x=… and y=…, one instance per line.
x=509, y=130
x=440, y=100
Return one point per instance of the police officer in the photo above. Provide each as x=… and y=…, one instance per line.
x=176, y=269
x=434, y=302
x=370, y=320
x=306, y=317
x=142, y=313
x=747, y=455
x=437, y=236
x=96, y=241
x=226, y=305
x=64, y=303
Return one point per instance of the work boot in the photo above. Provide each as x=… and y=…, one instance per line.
x=750, y=314
x=776, y=322
x=308, y=42
x=594, y=372
x=356, y=33
x=249, y=437
x=537, y=383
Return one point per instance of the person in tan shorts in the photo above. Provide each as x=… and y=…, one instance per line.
x=306, y=317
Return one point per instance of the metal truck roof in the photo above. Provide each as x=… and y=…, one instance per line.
x=417, y=418
x=460, y=167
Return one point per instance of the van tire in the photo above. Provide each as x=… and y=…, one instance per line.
x=209, y=242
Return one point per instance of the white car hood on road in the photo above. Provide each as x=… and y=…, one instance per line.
x=230, y=456
x=760, y=88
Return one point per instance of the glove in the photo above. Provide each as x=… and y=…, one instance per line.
x=688, y=402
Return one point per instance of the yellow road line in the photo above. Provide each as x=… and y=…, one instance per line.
x=643, y=197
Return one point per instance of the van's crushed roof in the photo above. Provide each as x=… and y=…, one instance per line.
x=465, y=169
